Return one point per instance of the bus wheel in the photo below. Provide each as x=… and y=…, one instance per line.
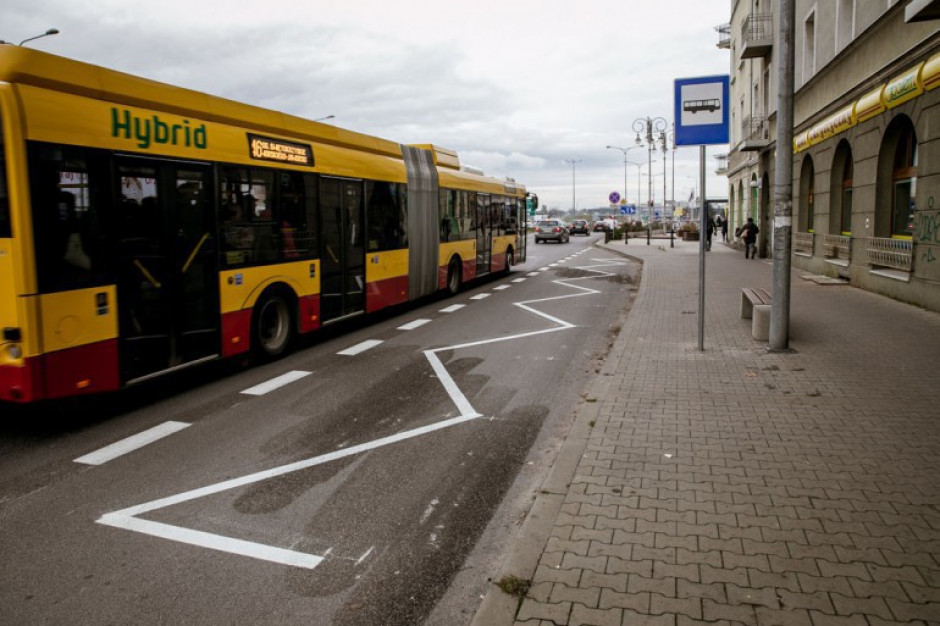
x=453, y=277
x=272, y=328
x=510, y=258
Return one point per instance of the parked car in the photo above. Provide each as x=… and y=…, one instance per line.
x=551, y=230
x=579, y=227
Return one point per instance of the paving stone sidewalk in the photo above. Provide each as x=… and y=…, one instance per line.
x=738, y=486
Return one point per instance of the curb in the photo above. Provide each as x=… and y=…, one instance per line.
x=499, y=608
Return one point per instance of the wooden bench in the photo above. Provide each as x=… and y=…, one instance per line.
x=755, y=306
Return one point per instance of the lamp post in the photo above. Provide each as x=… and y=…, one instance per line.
x=639, y=168
x=653, y=128
x=51, y=31
x=625, y=162
x=574, y=203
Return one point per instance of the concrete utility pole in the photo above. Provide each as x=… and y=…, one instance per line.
x=783, y=181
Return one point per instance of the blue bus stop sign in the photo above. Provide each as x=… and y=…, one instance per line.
x=701, y=110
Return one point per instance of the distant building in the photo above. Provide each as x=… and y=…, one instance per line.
x=866, y=157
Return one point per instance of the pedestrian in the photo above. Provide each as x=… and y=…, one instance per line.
x=724, y=228
x=749, y=232
x=709, y=231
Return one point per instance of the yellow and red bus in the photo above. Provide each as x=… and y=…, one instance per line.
x=146, y=228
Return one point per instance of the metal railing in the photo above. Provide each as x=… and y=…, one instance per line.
x=757, y=27
x=754, y=128
x=837, y=247
x=722, y=165
x=892, y=253
x=724, y=35
x=803, y=243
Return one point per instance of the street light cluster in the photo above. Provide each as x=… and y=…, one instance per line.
x=650, y=131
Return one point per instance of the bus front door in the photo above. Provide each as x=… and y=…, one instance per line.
x=342, y=257
x=168, y=293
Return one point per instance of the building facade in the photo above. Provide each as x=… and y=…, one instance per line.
x=866, y=153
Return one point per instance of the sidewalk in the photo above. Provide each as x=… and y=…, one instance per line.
x=738, y=486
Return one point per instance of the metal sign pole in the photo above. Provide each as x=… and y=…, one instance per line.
x=701, y=250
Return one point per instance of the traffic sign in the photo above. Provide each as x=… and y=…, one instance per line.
x=701, y=110
x=614, y=197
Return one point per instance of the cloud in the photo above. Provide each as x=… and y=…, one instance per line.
x=515, y=87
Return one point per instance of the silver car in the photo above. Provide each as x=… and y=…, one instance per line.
x=551, y=230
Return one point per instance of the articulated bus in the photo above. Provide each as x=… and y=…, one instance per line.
x=146, y=228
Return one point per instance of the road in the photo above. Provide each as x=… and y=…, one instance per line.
x=374, y=476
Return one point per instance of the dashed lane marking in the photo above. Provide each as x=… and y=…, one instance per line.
x=120, y=448
x=275, y=383
x=452, y=308
x=414, y=324
x=360, y=347
x=480, y=296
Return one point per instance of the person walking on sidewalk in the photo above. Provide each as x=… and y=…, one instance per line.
x=749, y=233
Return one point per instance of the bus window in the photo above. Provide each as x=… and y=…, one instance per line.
x=69, y=253
x=5, y=228
x=384, y=217
x=294, y=240
x=249, y=231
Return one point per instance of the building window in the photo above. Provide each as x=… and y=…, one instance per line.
x=807, y=195
x=845, y=23
x=809, y=46
x=904, y=183
x=840, y=214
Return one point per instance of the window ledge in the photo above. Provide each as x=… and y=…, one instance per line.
x=839, y=262
x=806, y=255
x=892, y=274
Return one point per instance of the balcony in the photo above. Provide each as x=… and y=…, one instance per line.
x=757, y=36
x=724, y=36
x=890, y=254
x=838, y=249
x=802, y=243
x=756, y=133
x=721, y=168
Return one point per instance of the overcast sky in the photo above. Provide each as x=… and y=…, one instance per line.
x=517, y=87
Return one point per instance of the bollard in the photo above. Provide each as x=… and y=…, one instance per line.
x=649, y=235
x=626, y=236
x=607, y=235
x=672, y=239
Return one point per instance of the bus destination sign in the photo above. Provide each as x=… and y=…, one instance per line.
x=270, y=149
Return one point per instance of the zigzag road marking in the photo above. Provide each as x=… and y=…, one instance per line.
x=129, y=518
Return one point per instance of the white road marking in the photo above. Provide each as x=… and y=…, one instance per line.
x=414, y=324
x=518, y=280
x=452, y=308
x=120, y=448
x=532, y=274
x=275, y=383
x=213, y=542
x=360, y=347
x=501, y=287
x=129, y=520
x=480, y=296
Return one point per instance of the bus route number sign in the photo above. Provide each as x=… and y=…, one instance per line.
x=270, y=149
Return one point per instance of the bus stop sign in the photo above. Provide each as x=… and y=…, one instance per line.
x=701, y=110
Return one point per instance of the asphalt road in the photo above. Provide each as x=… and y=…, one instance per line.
x=374, y=476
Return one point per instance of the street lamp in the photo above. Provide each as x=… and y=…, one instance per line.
x=574, y=204
x=625, y=162
x=653, y=129
x=639, y=167
x=51, y=31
